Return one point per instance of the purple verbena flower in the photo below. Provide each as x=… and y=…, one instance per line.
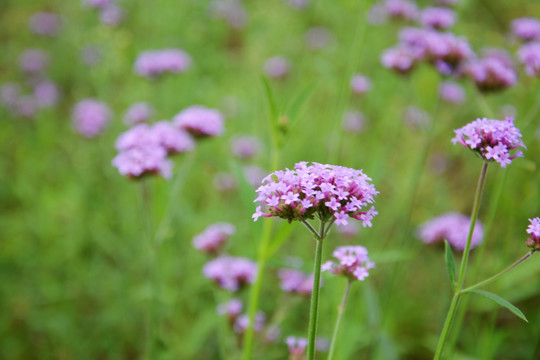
x=491, y=139
x=277, y=67
x=33, y=61
x=534, y=234
x=353, y=122
x=529, y=56
x=232, y=11
x=144, y=160
x=153, y=63
x=231, y=273
x=200, y=121
x=353, y=262
x=297, y=346
x=45, y=23
x=438, y=18
x=348, y=192
x=173, y=140
x=452, y=226
x=451, y=92
x=213, y=238
x=138, y=113
x=360, y=84
x=401, y=59
x=90, y=117
x=111, y=15
x=242, y=323
x=46, y=94
x=492, y=74
x=296, y=282
x=245, y=147
x=401, y=9
x=232, y=309
x=26, y=106
x=526, y=28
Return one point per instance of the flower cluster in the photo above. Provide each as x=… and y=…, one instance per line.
x=277, y=67
x=401, y=9
x=90, y=117
x=212, y=239
x=360, y=84
x=109, y=13
x=230, y=273
x=232, y=11
x=437, y=18
x=144, y=149
x=45, y=24
x=353, y=262
x=295, y=282
x=526, y=29
x=451, y=92
x=534, y=234
x=245, y=147
x=452, y=226
x=232, y=309
x=492, y=73
x=33, y=61
x=138, y=113
x=200, y=121
x=296, y=346
x=529, y=56
x=242, y=323
x=325, y=190
x=152, y=64
x=491, y=139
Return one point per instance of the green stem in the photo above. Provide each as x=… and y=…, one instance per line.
x=341, y=311
x=314, y=308
x=446, y=327
x=499, y=274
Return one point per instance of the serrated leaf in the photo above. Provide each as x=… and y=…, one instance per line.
x=502, y=302
x=450, y=263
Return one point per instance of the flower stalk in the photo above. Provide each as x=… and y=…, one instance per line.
x=341, y=311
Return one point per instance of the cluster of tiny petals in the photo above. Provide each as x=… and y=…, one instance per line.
x=138, y=113
x=453, y=227
x=534, y=234
x=492, y=74
x=45, y=23
x=212, y=239
x=295, y=282
x=353, y=262
x=451, y=92
x=200, y=121
x=153, y=63
x=242, y=323
x=438, y=17
x=493, y=140
x=230, y=273
x=296, y=345
x=90, y=117
x=360, y=84
x=529, y=56
x=526, y=29
x=327, y=190
x=401, y=9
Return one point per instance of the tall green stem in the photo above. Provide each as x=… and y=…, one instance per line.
x=341, y=311
x=314, y=308
x=463, y=266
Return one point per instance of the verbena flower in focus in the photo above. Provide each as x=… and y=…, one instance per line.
x=231, y=273
x=353, y=262
x=328, y=191
x=453, y=227
x=154, y=63
x=200, y=121
x=534, y=234
x=213, y=238
x=493, y=140
x=90, y=117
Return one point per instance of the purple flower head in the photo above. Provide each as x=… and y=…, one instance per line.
x=360, y=84
x=451, y=92
x=200, y=121
x=277, y=67
x=452, y=226
x=91, y=55
x=232, y=309
x=317, y=38
x=26, y=107
x=534, y=234
x=492, y=74
x=173, y=140
x=317, y=189
x=401, y=9
x=297, y=346
x=296, y=282
x=144, y=160
x=353, y=122
x=416, y=119
x=245, y=147
x=447, y=3
x=526, y=28
x=493, y=140
x=153, y=63
x=529, y=56
x=232, y=11
x=231, y=273
x=111, y=15
x=90, y=117
x=438, y=18
x=97, y=4
x=242, y=323
x=213, y=238
x=353, y=262
x=400, y=58
x=45, y=24
x=9, y=93
x=254, y=175
x=138, y=113
x=33, y=61
x=138, y=136
x=46, y=94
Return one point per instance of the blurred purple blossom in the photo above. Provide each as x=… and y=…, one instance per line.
x=242, y=323
x=452, y=226
x=353, y=122
x=9, y=93
x=45, y=23
x=297, y=347
x=224, y=182
x=529, y=56
x=111, y=15
x=139, y=161
x=153, y=63
x=451, y=92
x=230, y=273
x=401, y=9
x=492, y=74
x=277, y=67
x=416, y=119
x=200, y=121
x=97, y=4
x=46, y=94
x=90, y=117
x=296, y=282
x=232, y=309
x=438, y=18
x=245, y=147
x=91, y=54
x=254, y=174
x=526, y=28
x=350, y=230
x=401, y=59
x=534, y=234
x=33, y=61
x=26, y=106
x=360, y=84
x=138, y=113
x=213, y=238
x=232, y=11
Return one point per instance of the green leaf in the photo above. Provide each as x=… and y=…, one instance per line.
x=298, y=103
x=272, y=105
x=499, y=300
x=450, y=263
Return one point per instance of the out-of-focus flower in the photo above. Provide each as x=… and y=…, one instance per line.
x=138, y=113
x=328, y=191
x=45, y=24
x=173, y=140
x=416, y=119
x=9, y=93
x=153, y=63
x=232, y=309
x=231, y=273
x=526, y=28
x=317, y=38
x=438, y=18
x=245, y=147
x=200, y=121
x=491, y=139
x=534, y=234
x=46, y=94
x=401, y=59
x=277, y=67
x=33, y=61
x=91, y=55
x=213, y=238
x=26, y=107
x=353, y=262
x=353, y=122
x=242, y=323
x=254, y=175
x=297, y=346
x=360, y=84
x=111, y=15
x=492, y=74
x=296, y=282
x=145, y=160
x=232, y=11
x=529, y=56
x=401, y=9
x=451, y=92
x=90, y=117
x=452, y=226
